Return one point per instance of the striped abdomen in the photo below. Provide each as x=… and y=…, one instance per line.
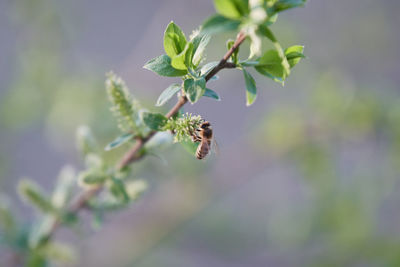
x=203, y=149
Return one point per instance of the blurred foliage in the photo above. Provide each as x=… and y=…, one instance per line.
x=329, y=144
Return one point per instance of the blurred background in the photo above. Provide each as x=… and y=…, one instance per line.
x=307, y=176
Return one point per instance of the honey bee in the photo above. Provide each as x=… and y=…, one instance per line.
x=204, y=135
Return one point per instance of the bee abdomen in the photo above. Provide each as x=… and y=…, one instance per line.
x=202, y=150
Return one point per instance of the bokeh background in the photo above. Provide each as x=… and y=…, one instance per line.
x=307, y=176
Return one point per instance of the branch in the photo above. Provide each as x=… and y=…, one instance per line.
x=134, y=153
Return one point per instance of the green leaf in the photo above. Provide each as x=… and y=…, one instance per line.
x=194, y=88
x=212, y=94
x=234, y=56
x=294, y=54
x=162, y=66
x=31, y=194
x=65, y=184
x=252, y=63
x=41, y=231
x=174, y=40
x=118, y=190
x=234, y=9
x=208, y=67
x=92, y=177
x=227, y=9
x=271, y=20
x=155, y=121
x=218, y=24
x=285, y=64
x=262, y=71
x=251, y=90
x=120, y=140
x=168, y=93
x=271, y=62
x=200, y=48
x=189, y=56
x=183, y=60
x=282, y=5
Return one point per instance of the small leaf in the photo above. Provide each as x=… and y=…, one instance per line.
x=120, y=140
x=252, y=63
x=194, y=88
x=282, y=5
x=271, y=62
x=269, y=75
x=234, y=56
x=92, y=177
x=174, y=40
x=208, y=67
x=183, y=60
x=65, y=184
x=41, y=231
x=234, y=9
x=200, y=48
x=251, y=90
x=227, y=9
x=155, y=121
x=271, y=20
x=168, y=93
x=189, y=56
x=218, y=24
x=284, y=62
x=294, y=54
x=162, y=66
x=212, y=94
x=118, y=190
x=31, y=193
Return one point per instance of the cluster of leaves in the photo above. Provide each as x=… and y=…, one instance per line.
x=182, y=59
x=35, y=245
x=252, y=18
x=118, y=187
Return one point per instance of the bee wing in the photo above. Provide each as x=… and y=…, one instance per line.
x=214, y=146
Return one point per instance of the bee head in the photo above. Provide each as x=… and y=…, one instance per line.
x=205, y=125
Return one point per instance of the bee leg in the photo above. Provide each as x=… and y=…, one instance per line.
x=196, y=138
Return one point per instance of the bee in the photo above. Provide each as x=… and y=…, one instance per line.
x=204, y=135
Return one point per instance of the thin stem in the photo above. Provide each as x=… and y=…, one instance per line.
x=134, y=153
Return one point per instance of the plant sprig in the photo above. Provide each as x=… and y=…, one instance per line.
x=106, y=187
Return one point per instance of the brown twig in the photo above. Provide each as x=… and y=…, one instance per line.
x=134, y=153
